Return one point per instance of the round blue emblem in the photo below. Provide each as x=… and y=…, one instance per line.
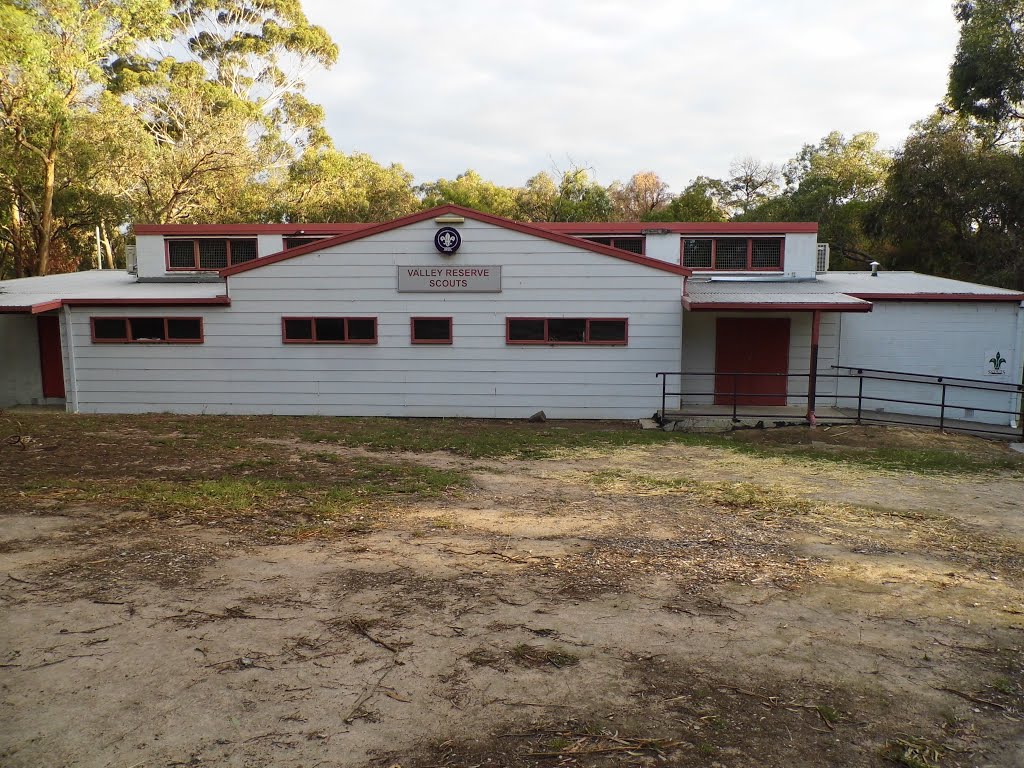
x=447, y=240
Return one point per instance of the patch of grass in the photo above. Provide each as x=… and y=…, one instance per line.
x=912, y=753
x=279, y=507
x=830, y=715
x=252, y=464
x=535, y=656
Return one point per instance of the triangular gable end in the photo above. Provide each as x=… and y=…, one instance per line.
x=468, y=213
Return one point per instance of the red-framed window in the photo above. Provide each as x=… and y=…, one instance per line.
x=208, y=253
x=294, y=241
x=329, y=330
x=430, y=330
x=632, y=244
x=146, y=330
x=604, y=331
x=733, y=254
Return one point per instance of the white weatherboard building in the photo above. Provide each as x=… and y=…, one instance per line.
x=451, y=312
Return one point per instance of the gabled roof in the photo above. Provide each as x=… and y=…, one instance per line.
x=469, y=213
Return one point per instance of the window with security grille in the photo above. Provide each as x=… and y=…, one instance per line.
x=209, y=253
x=766, y=254
x=631, y=244
x=733, y=254
x=697, y=253
x=555, y=331
x=181, y=254
x=329, y=330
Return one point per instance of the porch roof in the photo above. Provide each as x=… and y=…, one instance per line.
x=707, y=295
x=100, y=287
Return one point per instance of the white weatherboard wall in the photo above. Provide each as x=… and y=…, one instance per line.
x=937, y=338
x=21, y=381
x=699, y=353
x=243, y=366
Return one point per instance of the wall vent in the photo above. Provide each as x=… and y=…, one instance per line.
x=823, y=254
x=131, y=261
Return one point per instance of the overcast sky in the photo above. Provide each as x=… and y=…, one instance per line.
x=683, y=87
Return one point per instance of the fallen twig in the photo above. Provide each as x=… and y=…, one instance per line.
x=975, y=699
x=360, y=628
x=368, y=691
x=87, y=631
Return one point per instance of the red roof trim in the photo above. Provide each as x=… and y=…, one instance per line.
x=681, y=227
x=47, y=306
x=487, y=218
x=937, y=296
x=737, y=306
x=240, y=230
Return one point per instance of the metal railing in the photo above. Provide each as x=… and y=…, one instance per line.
x=868, y=404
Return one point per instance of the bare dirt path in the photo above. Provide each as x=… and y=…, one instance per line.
x=667, y=603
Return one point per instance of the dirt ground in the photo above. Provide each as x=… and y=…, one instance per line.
x=179, y=594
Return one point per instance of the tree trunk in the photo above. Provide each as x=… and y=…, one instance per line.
x=106, y=245
x=17, y=236
x=46, y=222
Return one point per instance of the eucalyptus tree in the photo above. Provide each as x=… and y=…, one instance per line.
x=52, y=56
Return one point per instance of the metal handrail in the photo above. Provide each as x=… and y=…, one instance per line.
x=1015, y=387
x=943, y=405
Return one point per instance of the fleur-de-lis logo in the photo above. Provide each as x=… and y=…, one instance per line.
x=447, y=240
x=997, y=361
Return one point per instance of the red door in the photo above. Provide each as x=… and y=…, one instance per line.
x=51, y=362
x=751, y=345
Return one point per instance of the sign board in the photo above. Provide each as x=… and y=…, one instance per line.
x=996, y=363
x=476, y=279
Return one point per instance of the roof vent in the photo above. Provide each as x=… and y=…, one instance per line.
x=131, y=260
x=823, y=254
x=874, y=268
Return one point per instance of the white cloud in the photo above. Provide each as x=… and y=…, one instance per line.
x=680, y=87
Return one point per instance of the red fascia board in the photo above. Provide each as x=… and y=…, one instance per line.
x=681, y=227
x=737, y=306
x=468, y=213
x=1017, y=297
x=240, y=230
x=16, y=310
x=46, y=306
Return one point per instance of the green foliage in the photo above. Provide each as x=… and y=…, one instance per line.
x=470, y=190
x=955, y=205
x=986, y=80
x=328, y=185
x=580, y=198
x=643, y=196
x=703, y=199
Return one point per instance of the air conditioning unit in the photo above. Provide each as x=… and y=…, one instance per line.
x=822, y=265
x=131, y=261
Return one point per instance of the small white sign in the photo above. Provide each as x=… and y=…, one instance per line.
x=444, y=279
x=996, y=363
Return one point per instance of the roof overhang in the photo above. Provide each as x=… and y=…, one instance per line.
x=854, y=305
x=49, y=306
x=681, y=227
x=1014, y=297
